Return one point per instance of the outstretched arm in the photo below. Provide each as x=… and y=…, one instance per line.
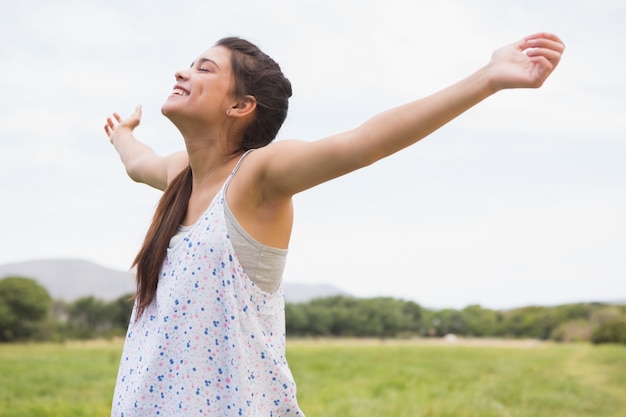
x=140, y=161
x=294, y=166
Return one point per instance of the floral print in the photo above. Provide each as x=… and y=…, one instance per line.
x=211, y=343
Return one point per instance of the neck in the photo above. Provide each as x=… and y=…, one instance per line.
x=209, y=156
x=211, y=145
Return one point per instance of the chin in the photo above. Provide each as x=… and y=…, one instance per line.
x=173, y=114
x=169, y=110
x=166, y=108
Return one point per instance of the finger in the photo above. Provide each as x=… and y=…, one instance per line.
x=545, y=35
x=546, y=44
x=117, y=117
x=551, y=55
x=137, y=113
x=542, y=70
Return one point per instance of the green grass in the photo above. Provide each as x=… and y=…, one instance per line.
x=347, y=378
x=38, y=380
x=438, y=381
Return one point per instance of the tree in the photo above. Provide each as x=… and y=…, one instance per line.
x=479, y=321
x=23, y=305
x=610, y=332
x=534, y=321
x=89, y=316
x=296, y=322
x=120, y=311
x=442, y=322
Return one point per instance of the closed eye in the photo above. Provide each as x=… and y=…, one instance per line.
x=205, y=65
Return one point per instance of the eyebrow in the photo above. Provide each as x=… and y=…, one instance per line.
x=203, y=60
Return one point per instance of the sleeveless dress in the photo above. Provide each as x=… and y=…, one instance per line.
x=211, y=343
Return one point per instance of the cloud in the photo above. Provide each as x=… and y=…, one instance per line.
x=502, y=206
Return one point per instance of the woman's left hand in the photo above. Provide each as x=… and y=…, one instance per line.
x=526, y=63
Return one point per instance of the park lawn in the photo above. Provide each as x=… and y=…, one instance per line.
x=514, y=380
x=355, y=378
x=70, y=380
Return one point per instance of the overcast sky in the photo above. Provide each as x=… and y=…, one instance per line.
x=519, y=201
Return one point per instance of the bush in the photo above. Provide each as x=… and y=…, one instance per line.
x=573, y=331
x=610, y=332
x=23, y=305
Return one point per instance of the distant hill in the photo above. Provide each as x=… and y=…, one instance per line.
x=70, y=279
x=301, y=293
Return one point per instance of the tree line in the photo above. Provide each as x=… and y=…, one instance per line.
x=384, y=317
x=27, y=312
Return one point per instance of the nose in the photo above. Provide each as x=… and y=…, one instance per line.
x=182, y=75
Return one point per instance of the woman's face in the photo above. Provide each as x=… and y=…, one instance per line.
x=203, y=92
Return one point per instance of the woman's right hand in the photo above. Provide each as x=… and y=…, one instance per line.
x=140, y=161
x=116, y=124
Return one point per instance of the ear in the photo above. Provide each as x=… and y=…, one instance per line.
x=243, y=107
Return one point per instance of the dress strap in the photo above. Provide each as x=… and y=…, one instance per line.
x=234, y=171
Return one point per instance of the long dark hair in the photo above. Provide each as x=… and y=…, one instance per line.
x=255, y=74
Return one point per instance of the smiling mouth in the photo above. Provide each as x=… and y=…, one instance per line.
x=180, y=92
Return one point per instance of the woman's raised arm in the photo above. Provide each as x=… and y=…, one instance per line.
x=140, y=161
x=293, y=166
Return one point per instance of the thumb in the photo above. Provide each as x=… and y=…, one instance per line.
x=137, y=113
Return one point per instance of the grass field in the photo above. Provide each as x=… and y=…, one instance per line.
x=356, y=378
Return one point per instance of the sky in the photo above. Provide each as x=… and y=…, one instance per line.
x=520, y=201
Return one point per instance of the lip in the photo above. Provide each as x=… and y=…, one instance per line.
x=180, y=87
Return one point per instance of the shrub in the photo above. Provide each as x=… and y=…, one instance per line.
x=573, y=331
x=610, y=332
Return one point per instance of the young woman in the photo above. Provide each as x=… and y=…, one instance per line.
x=207, y=334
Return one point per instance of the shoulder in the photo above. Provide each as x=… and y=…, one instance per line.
x=278, y=148
x=260, y=161
x=264, y=214
x=175, y=163
x=257, y=177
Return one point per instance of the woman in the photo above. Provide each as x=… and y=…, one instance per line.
x=207, y=332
